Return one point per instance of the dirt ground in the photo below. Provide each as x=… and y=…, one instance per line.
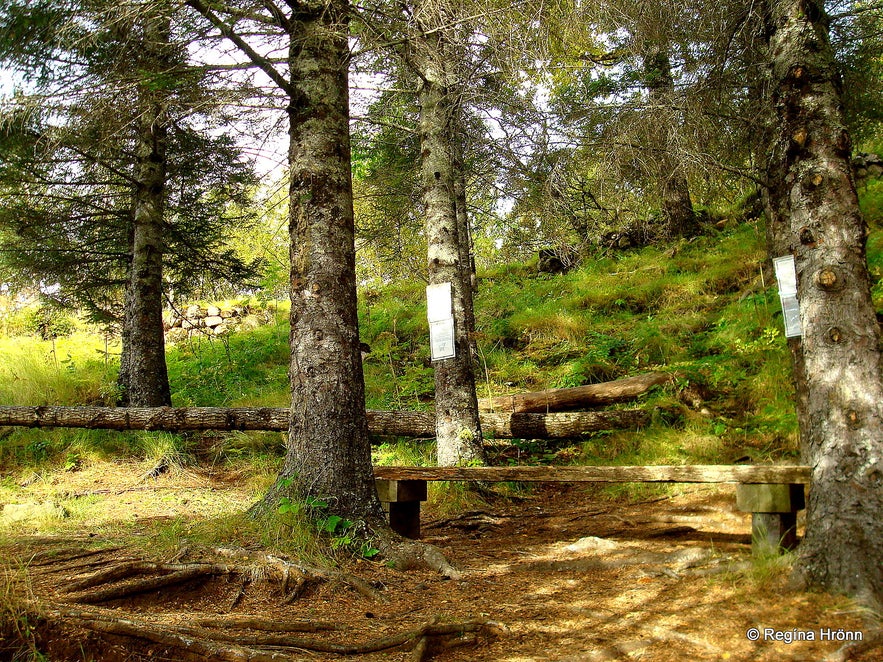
x=559, y=573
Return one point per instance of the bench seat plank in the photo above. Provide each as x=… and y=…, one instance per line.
x=740, y=473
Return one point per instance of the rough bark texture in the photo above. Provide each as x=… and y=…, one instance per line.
x=813, y=208
x=143, y=379
x=557, y=399
x=329, y=452
x=622, y=474
x=464, y=239
x=676, y=204
x=391, y=423
x=458, y=428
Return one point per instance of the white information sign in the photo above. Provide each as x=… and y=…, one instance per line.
x=438, y=302
x=786, y=276
x=439, y=311
x=441, y=339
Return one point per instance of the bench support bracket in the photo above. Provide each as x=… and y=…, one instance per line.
x=773, y=509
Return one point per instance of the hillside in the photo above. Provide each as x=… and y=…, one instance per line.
x=549, y=571
x=705, y=310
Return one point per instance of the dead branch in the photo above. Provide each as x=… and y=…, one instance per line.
x=418, y=653
x=556, y=400
x=529, y=415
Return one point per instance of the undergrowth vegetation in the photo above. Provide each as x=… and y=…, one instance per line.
x=704, y=310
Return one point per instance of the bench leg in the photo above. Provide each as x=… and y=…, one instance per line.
x=772, y=532
x=401, y=501
x=404, y=518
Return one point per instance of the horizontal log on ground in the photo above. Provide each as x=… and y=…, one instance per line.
x=170, y=419
x=392, y=423
x=740, y=473
x=512, y=426
x=558, y=399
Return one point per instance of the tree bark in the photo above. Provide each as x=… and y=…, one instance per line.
x=676, y=204
x=578, y=396
x=389, y=423
x=464, y=241
x=329, y=451
x=144, y=378
x=813, y=209
x=458, y=427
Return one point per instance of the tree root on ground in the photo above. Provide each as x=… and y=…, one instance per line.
x=54, y=557
x=284, y=570
x=84, y=591
x=224, y=639
x=854, y=649
x=130, y=578
x=411, y=554
x=264, y=624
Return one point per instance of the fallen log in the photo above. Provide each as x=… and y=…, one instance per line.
x=512, y=425
x=389, y=423
x=559, y=399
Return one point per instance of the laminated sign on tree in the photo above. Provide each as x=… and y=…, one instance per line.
x=439, y=311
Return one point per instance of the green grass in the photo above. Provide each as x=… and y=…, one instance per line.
x=242, y=369
x=65, y=371
x=701, y=309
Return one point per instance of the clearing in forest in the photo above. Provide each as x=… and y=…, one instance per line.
x=105, y=566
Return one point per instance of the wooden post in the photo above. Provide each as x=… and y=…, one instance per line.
x=401, y=501
x=773, y=509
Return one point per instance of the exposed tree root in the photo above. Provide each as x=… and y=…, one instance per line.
x=852, y=650
x=411, y=554
x=241, y=592
x=140, y=586
x=249, y=638
x=53, y=557
x=133, y=568
x=262, y=566
x=167, y=637
x=172, y=574
x=224, y=641
x=303, y=574
x=77, y=566
x=265, y=624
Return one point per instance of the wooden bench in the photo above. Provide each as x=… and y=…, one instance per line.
x=773, y=494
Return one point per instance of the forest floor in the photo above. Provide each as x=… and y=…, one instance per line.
x=558, y=573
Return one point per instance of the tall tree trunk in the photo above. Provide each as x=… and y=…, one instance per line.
x=464, y=240
x=329, y=452
x=458, y=429
x=124, y=376
x=675, y=202
x=145, y=360
x=813, y=208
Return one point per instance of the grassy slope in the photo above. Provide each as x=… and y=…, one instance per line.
x=703, y=309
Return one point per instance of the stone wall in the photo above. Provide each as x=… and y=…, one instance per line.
x=866, y=166
x=197, y=320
